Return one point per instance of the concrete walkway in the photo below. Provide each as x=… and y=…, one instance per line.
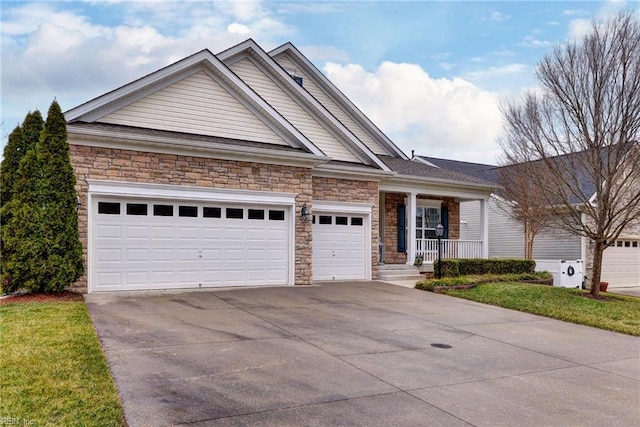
x=365, y=353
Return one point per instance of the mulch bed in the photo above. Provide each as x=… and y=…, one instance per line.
x=42, y=297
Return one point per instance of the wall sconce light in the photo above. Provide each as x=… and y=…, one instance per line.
x=304, y=213
x=78, y=204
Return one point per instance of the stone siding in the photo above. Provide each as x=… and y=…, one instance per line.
x=142, y=167
x=346, y=190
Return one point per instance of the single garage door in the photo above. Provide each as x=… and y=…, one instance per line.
x=621, y=264
x=339, y=246
x=159, y=244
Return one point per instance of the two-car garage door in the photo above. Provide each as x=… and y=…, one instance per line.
x=156, y=244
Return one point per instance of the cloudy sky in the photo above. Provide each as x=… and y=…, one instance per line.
x=430, y=74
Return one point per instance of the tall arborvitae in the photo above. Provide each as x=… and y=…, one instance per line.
x=42, y=230
x=13, y=152
x=22, y=139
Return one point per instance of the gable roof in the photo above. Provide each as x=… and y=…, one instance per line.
x=478, y=170
x=249, y=48
x=205, y=61
x=331, y=91
x=419, y=169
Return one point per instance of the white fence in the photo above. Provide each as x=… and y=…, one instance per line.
x=428, y=249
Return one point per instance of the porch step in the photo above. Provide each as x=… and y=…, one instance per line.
x=399, y=272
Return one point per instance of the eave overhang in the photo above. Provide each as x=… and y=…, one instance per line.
x=121, y=139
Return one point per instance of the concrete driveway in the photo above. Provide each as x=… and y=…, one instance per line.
x=364, y=353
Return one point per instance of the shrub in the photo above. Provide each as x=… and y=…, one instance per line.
x=466, y=267
x=42, y=222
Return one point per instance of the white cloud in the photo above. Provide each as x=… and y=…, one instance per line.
x=496, y=72
x=578, y=28
x=499, y=17
x=435, y=117
x=236, y=28
x=531, y=41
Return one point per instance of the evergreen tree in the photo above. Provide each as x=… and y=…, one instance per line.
x=21, y=140
x=42, y=230
x=14, y=151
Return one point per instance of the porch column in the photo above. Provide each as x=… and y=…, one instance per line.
x=411, y=227
x=484, y=227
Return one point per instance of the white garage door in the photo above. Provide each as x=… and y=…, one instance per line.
x=621, y=264
x=156, y=244
x=339, y=246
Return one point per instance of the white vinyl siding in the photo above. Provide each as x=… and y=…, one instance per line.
x=333, y=108
x=196, y=105
x=506, y=236
x=264, y=86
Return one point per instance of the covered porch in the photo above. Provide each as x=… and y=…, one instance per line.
x=408, y=221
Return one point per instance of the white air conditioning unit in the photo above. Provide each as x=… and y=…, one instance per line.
x=571, y=274
x=566, y=274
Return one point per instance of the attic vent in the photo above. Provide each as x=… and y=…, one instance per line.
x=298, y=80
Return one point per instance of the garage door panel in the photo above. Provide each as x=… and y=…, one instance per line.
x=162, y=233
x=160, y=252
x=621, y=264
x=339, y=247
x=113, y=232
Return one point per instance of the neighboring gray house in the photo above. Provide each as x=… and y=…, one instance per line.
x=621, y=262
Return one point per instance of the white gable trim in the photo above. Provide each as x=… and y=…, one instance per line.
x=303, y=98
x=201, y=61
x=333, y=92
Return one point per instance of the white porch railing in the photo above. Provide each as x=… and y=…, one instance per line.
x=428, y=249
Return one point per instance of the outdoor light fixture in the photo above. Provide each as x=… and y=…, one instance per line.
x=304, y=213
x=439, y=234
x=78, y=204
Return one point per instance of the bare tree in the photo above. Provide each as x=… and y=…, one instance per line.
x=576, y=139
x=522, y=200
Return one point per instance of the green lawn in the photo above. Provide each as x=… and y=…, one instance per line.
x=616, y=313
x=53, y=371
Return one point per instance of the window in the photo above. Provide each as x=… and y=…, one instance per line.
x=627, y=244
x=276, y=215
x=298, y=80
x=162, y=210
x=426, y=220
x=109, y=208
x=256, y=214
x=136, y=209
x=234, y=213
x=342, y=220
x=325, y=219
x=209, y=212
x=356, y=221
x=313, y=219
x=635, y=244
x=188, y=211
